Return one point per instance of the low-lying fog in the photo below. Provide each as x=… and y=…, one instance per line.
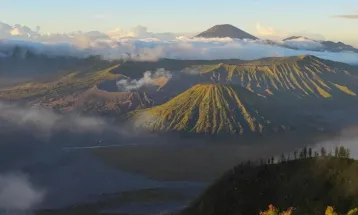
x=49, y=160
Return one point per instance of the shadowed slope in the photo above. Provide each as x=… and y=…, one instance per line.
x=210, y=109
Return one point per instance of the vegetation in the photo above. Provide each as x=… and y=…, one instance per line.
x=296, y=77
x=209, y=109
x=281, y=79
x=308, y=183
x=329, y=211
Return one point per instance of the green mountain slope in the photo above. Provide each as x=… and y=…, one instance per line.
x=306, y=185
x=210, y=109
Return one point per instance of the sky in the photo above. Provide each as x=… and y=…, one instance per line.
x=323, y=19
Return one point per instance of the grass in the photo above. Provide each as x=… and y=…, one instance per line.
x=208, y=109
x=66, y=85
x=300, y=75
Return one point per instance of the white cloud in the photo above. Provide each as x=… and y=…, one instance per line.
x=45, y=121
x=149, y=79
x=18, y=32
x=303, y=44
x=140, y=44
x=265, y=31
x=18, y=194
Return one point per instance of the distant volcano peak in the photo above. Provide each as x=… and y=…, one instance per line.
x=226, y=30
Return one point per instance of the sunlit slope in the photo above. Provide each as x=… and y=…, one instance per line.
x=297, y=77
x=74, y=82
x=210, y=109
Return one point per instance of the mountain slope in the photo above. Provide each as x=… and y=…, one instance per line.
x=226, y=30
x=209, y=109
x=307, y=185
x=97, y=101
x=290, y=80
x=62, y=87
x=293, y=77
x=318, y=45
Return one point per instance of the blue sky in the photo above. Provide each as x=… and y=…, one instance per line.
x=280, y=16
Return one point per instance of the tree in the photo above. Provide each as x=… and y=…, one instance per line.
x=272, y=160
x=283, y=158
x=305, y=152
x=316, y=154
x=301, y=156
x=323, y=152
x=336, y=151
x=342, y=152
x=295, y=154
x=348, y=153
x=310, y=152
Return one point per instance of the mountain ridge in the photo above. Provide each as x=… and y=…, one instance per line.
x=208, y=109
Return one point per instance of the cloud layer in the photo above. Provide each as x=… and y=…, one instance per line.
x=18, y=194
x=45, y=121
x=140, y=44
x=347, y=16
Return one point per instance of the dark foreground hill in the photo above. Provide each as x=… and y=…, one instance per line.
x=306, y=185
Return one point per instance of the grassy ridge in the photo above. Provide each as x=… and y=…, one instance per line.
x=300, y=76
x=210, y=109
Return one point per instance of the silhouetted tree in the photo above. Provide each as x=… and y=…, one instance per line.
x=305, y=152
x=272, y=160
x=336, y=151
x=348, y=153
x=295, y=154
x=323, y=152
x=301, y=155
x=343, y=152
x=283, y=158
x=310, y=152
x=316, y=154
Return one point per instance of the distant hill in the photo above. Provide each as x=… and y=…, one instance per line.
x=97, y=101
x=209, y=109
x=308, y=186
x=226, y=30
x=325, y=45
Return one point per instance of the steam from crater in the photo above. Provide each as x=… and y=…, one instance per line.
x=157, y=78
